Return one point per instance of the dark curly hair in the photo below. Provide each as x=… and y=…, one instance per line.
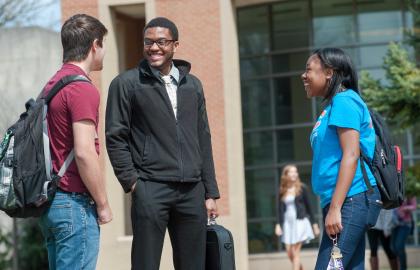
x=165, y=23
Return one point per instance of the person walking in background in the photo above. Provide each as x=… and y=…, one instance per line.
x=295, y=215
x=382, y=233
x=159, y=143
x=343, y=129
x=71, y=225
x=403, y=218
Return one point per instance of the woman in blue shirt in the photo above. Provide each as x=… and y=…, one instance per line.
x=343, y=129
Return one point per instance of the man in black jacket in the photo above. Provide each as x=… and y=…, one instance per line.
x=158, y=141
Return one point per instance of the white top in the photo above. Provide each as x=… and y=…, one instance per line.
x=171, y=88
x=171, y=84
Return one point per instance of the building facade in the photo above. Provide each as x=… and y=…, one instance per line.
x=249, y=55
x=275, y=40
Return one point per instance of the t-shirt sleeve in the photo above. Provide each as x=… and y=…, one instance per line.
x=345, y=113
x=83, y=102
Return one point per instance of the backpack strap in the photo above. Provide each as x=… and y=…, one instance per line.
x=62, y=83
x=66, y=163
x=46, y=140
x=362, y=159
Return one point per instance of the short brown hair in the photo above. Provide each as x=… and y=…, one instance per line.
x=78, y=34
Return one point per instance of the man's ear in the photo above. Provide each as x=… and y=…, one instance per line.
x=176, y=45
x=95, y=45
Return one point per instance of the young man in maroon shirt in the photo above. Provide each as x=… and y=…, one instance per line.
x=71, y=224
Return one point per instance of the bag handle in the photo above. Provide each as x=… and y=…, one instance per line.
x=211, y=221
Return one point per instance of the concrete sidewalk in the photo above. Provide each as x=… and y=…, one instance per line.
x=277, y=261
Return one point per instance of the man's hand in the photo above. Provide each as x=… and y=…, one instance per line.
x=104, y=214
x=87, y=161
x=211, y=208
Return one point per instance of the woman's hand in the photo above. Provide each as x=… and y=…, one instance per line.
x=315, y=228
x=278, y=230
x=333, y=222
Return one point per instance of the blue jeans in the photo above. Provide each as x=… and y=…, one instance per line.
x=398, y=237
x=71, y=232
x=358, y=213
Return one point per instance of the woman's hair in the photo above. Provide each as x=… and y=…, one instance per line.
x=344, y=75
x=286, y=183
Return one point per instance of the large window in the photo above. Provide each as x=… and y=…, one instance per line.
x=275, y=40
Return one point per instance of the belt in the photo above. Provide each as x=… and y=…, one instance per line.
x=73, y=193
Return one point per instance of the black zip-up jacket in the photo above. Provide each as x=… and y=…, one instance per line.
x=145, y=141
x=303, y=208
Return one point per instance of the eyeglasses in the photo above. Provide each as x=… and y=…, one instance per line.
x=162, y=42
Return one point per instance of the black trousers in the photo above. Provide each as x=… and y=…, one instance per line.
x=180, y=207
x=374, y=236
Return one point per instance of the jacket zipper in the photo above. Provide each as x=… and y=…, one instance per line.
x=178, y=134
x=180, y=151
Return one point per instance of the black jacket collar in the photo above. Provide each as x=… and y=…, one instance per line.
x=184, y=68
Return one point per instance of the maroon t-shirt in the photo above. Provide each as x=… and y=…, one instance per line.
x=75, y=102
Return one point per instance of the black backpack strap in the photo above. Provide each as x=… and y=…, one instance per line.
x=62, y=83
x=362, y=158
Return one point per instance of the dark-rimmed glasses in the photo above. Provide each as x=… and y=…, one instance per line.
x=162, y=42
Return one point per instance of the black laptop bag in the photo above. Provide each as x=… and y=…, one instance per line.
x=220, y=254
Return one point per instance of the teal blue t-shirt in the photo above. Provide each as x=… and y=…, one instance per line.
x=347, y=110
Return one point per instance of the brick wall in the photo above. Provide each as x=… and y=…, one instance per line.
x=70, y=7
x=198, y=23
